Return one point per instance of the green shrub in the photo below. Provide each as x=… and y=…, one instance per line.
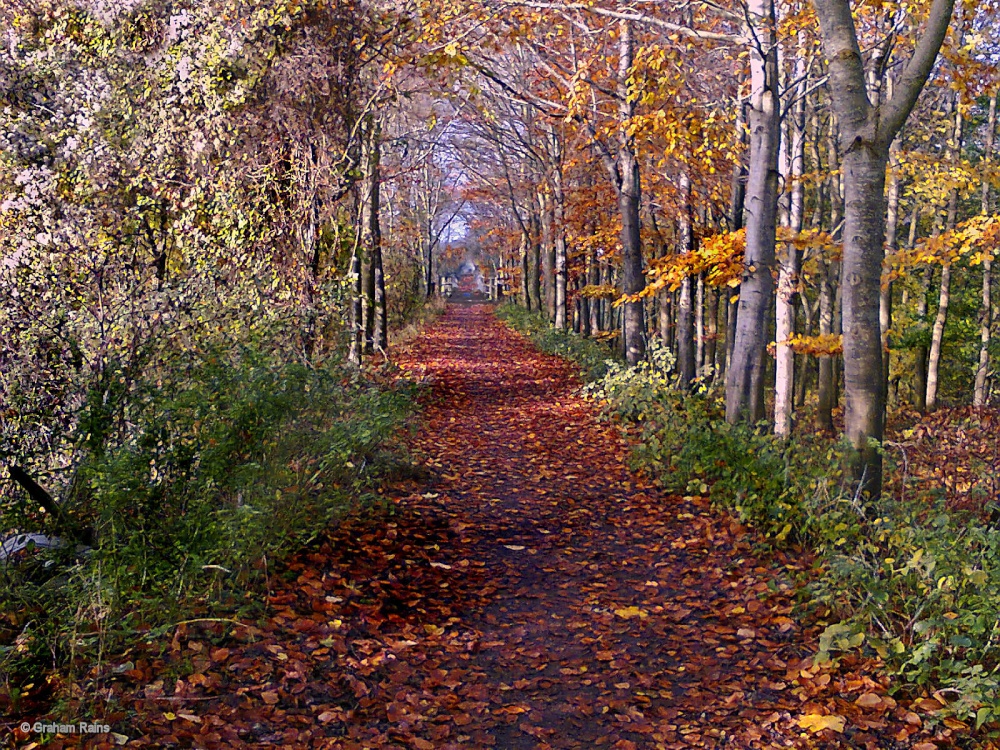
x=233, y=460
x=684, y=442
x=923, y=587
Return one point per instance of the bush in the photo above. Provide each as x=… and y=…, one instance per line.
x=921, y=586
x=232, y=460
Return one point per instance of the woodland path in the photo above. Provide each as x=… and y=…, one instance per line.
x=532, y=593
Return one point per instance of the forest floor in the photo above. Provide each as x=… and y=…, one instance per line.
x=531, y=593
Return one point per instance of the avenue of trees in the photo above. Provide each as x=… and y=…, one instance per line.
x=795, y=198
x=218, y=218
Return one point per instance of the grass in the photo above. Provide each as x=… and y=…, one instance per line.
x=234, y=459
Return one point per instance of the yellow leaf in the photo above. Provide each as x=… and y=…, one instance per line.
x=819, y=722
x=629, y=612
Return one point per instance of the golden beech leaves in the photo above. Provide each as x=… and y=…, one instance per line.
x=598, y=291
x=811, y=239
x=819, y=722
x=821, y=345
x=978, y=239
x=719, y=257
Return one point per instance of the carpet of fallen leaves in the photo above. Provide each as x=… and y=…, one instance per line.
x=531, y=594
x=952, y=451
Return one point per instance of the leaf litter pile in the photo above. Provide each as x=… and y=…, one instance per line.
x=532, y=593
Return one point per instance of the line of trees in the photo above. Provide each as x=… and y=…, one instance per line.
x=781, y=193
x=182, y=179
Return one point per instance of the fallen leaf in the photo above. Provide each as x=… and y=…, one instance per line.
x=630, y=612
x=869, y=700
x=819, y=722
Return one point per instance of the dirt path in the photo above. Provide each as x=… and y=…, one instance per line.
x=616, y=615
x=532, y=594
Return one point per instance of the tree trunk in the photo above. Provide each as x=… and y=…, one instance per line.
x=367, y=302
x=937, y=337
x=920, y=371
x=548, y=254
x=732, y=310
x=685, y=307
x=370, y=232
x=629, y=204
x=428, y=263
x=699, y=326
x=607, y=316
x=711, y=334
x=864, y=408
x=866, y=131
x=802, y=380
x=944, y=295
x=891, y=246
x=788, y=271
x=979, y=394
x=357, y=313
x=558, y=231
x=829, y=322
x=373, y=239
x=737, y=200
x=523, y=252
x=594, y=278
x=826, y=386
x=745, y=379
x=535, y=260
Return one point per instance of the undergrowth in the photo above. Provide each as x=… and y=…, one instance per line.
x=233, y=459
x=901, y=577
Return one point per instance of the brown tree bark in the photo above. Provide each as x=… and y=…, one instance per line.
x=866, y=132
x=380, y=322
x=629, y=204
x=979, y=395
x=685, y=305
x=745, y=377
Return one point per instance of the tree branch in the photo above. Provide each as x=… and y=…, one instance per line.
x=914, y=76
x=687, y=31
x=64, y=524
